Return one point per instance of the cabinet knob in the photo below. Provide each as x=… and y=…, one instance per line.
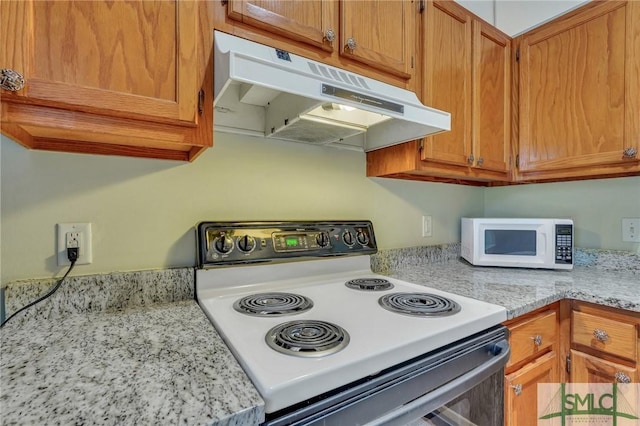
x=351, y=44
x=329, y=35
x=517, y=389
x=600, y=335
x=11, y=80
x=622, y=377
x=630, y=153
x=480, y=161
x=537, y=340
x=470, y=159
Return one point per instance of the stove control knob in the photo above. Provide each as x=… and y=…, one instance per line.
x=246, y=244
x=223, y=244
x=322, y=239
x=362, y=237
x=348, y=239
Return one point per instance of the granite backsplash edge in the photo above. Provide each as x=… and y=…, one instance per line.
x=121, y=290
x=385, y=261
x=114, y=291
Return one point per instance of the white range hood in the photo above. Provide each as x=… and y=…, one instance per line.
x=263, y=91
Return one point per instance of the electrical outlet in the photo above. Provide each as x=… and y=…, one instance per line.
x=631, y=229
x=426, y=226
x=74, y=235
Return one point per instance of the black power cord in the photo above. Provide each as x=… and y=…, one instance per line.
x=72, y=255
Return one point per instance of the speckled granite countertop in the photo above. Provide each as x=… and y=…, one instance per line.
x=524, y=290
x=161, y=364
x=134, y=348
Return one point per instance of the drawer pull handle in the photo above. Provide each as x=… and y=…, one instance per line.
x=330, y=35
x=600, y=335
x=537, y=340
x=517, y=389
x=622, y=377
x=11, y=80
x=630, y=153
x=351, y=44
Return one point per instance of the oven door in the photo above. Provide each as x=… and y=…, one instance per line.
x=460, y=382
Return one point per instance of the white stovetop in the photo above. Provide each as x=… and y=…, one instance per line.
x=378, y=338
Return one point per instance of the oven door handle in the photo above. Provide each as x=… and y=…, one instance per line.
x=425, y=404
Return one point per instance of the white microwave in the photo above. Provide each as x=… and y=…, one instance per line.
x=520, y=243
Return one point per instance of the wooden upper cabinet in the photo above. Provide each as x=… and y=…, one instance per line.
x=448, y=79
x=491, y=136
x=312, y=22
x=379, y=33
x=375, y=38
x=107, y=76
x=579, y=82
x=468, y=73
x=128, y=58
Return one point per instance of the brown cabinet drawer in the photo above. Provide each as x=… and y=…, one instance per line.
x=606, y=335
x=590, y=369
x=533, y=336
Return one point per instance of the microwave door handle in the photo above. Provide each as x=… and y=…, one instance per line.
x=543, y=245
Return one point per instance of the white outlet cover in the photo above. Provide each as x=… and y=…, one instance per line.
x=631, y=229
x=426, y=226
x=85, y=254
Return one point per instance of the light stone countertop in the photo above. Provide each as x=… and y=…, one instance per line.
x=154, y=365
x=163, y=363
x=524, y=290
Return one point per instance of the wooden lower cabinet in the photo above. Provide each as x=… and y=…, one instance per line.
x=568, y=341
x=605, y=344
x=590, y=369
x=535, y=344
x=521, y=389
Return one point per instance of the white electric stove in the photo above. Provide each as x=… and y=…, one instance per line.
x=299, y=307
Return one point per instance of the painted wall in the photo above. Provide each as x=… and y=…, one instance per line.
x=143, y=211
x=596, y=206
x=515, y=17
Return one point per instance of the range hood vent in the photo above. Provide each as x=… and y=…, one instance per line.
x=268, y=92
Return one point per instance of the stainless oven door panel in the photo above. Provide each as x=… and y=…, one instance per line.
x=409, y=391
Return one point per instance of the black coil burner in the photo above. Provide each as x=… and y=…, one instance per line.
x=307, y=338
x=369, y=284
x=273, y=304
x=419, y=304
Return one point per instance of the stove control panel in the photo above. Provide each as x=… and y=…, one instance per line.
x=226, y=243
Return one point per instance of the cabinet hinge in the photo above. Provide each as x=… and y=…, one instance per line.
x=569, y=364
x=421, y=6
x=517, y=55
x=201, y=102
x=420, y=146
x=412, y=62
x=517, y=161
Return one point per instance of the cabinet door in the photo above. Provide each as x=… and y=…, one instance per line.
x=382, y=33
x=590, y=369
x=310, y=21
x=448, y=80
x=579, y=85
x=521, y=391
x=129, y=59
x=491, y=97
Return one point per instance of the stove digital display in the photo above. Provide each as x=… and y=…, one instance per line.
x=286, y=242
x=291, y=241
